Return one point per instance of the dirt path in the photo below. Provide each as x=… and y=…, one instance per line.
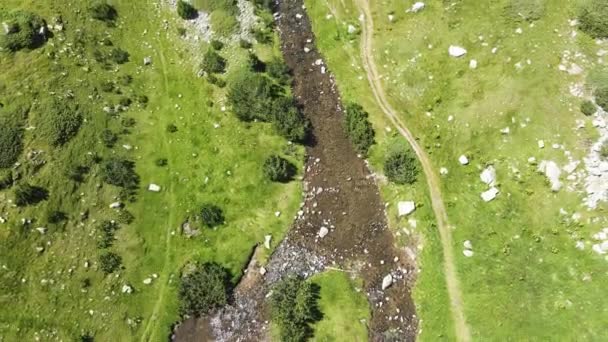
x=462, y=329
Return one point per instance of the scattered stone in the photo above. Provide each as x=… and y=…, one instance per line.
x=147, y=281
x=488, y=175
x=473, y=64
x=277, y=213
x=456, y=51
x=467, y=253
x=387, y=281
x=267, y=239
x=115, y=205
x=405, y=208
x=541, y=144
x=154, y=188
x=263, y=270
x=443, y=171
x=417, y=7
x=189, y=231
x=323, y=232
x=41, y=230
x=489, y=195
x=467, y=244
x=552, y=172
x=352, y=29
x=127, y=289
x=147, y=60
x=463, y=160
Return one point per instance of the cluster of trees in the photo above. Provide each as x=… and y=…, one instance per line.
x=593, y=18
x=253, y=96
x=104, y=12
x=26, y=194
x=109, y=262
x=211, y=215
x=294, y=307
x=358, y=128
x=186, y=11
x=588, y=108
x=63, y=123
x=601, y=97
x=278, y=169
x=23, y=30
x=107, y=230
x=204, y=289
x=401, y=167
x=213, y=63
x=120, y=172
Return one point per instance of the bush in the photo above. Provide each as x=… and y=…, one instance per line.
x=120, y=172
x=255, y=64
x=56, y=216
x=107, y=230
x=11, y=144
x=278, y=70
x=161, y=162
x=109, y=262
x=588, y=108
x=212, y=215
x=171, y=128
x=593, y=18
x=204, y=290
x=26, y=194
x=358, y=128
x=218, y=81
x=289, y=121
x=245, y=44
x=604, y=150
x=251, y=97
x=109, y=138
x=216, y=44
x=278, y=169
x=528, y=10
x=294, y=307
x=262, y=35
x=185, y=10
x=224, y=23
x=23, y=31
x=63, y=124
x=77, y=173
x=601, y=97
x=213, y=63
x=119, y=56
x=401, y=167
x=104, y=12
x=125, y=217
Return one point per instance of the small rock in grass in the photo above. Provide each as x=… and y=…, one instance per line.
x=115, y=205
x=467, y=244
x=541, y=144
x=489, y=195
x=473, y=64
x=443, y=171
x=488, y=175
x=127, y=289
x=267, y=239
x=147, y=60
x=456, y=51
x=405, y=208
x=463, y=160
x=417, y=7
x=262, y=270
x=467, y=253
x=387, y=281
x=148, y=281
x=323, y=232
x=154, y=188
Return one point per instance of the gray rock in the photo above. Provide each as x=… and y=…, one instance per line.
x=387, y=281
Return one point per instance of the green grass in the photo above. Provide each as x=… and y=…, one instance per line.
x=344, y=306
x=205, y=164
x=526, y=278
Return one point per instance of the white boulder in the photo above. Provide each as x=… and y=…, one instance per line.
x=352, y=29
x=456, y=51
x=467, y=244
x=488, y=175
x=387, y=282
x=323, y=232
x=467, y=253
x=267, y=239
x=127, y=289
x=153, y=187
x=417, y=7
x=406, y=207
x=473, y=64
x=115, y=205
x=552, y=172
x=463, y=160
x=489, y=195
x=147, y=281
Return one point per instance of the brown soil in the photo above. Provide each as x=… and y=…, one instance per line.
x=341, y=195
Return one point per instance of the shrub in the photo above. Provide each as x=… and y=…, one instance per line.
x=229, y=6
x=245, y=44
x=171, y=128
x=262, y=35
x=278, y=70
x=26, y=194
x=255, y=64
x=593, y=18
x=212, y=215
x=216, y=44
x=77, y=173
x=185, y=10
x=251, y=97
x=56, y=216
x=601, y=97
x=604, y=150
x=119, y=56
x=294, y=307
x=120, y=172
x=104, y=12
x=161, y=162
x=358, y=128
x=23, y=31
x=278, y=169
x=205, y=289
x=125, y=217
x=107, y=230
x=289, y=121
x=109, y=262
x=588, y=108
x=224, y=23
x=63, y=124
x=213, y=63
x=109, y=138
x=128, y=122
x=401, y=167
x=528, y=10
x=11, y=144
x=218, y=81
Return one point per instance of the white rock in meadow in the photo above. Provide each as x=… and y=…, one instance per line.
x=406, y=207
x=473, y=64
x=352, y=29
x=489, y=195
x=323, y=232
x=541, y=144
x=115, y=205
x=267, y=239
x=463, y=160
x=467, y=253
x=552, y=172
x=456, y=51
x=443, y=171
x=488, y=175
x=154, y=188
x=467, y=244
x=417, y=7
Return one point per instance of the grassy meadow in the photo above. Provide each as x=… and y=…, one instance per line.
x=60, y=293
x=526, y=280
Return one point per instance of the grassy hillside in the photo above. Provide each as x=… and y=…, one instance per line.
x=526, y=278
x=51, y=283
